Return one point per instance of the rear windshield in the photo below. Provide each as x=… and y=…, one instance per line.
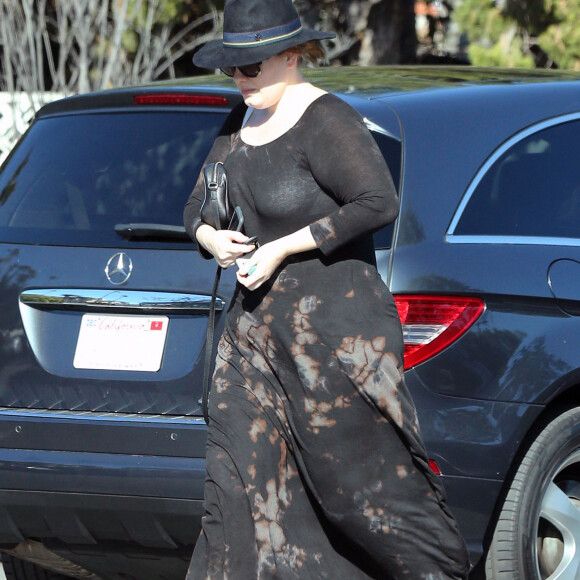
x=78, y=179
x=75, y=179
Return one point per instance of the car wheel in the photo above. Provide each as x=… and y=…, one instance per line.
x=16, y=569
x=539, y=526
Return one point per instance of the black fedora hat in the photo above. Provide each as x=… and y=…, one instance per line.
x=255, y=30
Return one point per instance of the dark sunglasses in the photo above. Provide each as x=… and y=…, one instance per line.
x=249, y=70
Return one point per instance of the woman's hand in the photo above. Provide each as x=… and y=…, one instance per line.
x=257, y=269
x=226, y=246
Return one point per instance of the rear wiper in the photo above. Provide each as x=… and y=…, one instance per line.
x=139, y=231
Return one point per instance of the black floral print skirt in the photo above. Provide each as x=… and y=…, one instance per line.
x=315, y=464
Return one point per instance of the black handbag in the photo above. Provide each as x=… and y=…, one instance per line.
x=217, y=212
x=216, y=209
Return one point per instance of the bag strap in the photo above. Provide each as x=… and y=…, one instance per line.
x=231, y=126
x=209, y=347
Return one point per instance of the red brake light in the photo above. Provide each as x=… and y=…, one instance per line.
x=431, y=323
x=179, y=99
x=434, y=467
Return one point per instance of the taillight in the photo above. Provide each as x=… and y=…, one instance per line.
x=431, y=323
x=180, y=99
x=434, y=467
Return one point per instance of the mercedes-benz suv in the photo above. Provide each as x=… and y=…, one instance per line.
x=105, y=302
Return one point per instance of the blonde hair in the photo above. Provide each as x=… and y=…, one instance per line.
x=312, y=51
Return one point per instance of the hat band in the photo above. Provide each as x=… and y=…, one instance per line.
x=247, y=39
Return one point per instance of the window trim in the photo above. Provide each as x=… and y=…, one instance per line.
x=453, y=238
x=513, y=240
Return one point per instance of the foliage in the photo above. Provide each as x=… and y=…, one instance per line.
x=513, y=33
x=497, y=55
x=494, y=35
x=168, y=11
x=174, y=14
x=562, y=38
x=483, y=23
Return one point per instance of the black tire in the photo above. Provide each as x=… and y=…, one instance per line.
x=16, y=569
x=538, y=530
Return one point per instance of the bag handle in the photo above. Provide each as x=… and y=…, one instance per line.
x=209, y=347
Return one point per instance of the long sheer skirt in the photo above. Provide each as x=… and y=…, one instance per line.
x=315, y=464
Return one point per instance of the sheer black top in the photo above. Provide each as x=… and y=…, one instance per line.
x=325, y=172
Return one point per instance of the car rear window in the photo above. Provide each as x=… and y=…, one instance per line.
x=532, y=189
x=75, y=178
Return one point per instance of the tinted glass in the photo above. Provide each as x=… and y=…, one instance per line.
x=533, y=189
x=74, y=178
x=391, y=150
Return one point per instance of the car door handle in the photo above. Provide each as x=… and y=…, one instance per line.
x=138, y=301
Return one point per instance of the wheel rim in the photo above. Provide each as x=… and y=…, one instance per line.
x=558, y=529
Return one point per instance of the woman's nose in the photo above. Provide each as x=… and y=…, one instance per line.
x=238, y=74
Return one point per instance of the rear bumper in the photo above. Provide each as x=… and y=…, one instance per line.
x=114, y=536
x=109, y=433
x=88, y=478
x=149, y=522
x=101, y=473
x=94, y=521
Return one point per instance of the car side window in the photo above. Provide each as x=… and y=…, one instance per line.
x=532, y=189
x=74, y=178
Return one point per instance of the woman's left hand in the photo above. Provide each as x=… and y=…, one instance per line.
x=257, y=269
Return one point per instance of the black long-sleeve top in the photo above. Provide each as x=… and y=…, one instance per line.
x=326, y=172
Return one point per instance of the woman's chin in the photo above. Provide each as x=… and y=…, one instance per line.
x=252, y=99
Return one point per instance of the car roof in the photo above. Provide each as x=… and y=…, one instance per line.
x=454, y=117
x=367, y=83
x=376, y=81
x=388, y=80
x=126, y=97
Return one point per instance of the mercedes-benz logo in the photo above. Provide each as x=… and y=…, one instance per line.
x=118, y=269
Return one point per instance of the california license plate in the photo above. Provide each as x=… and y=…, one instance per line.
x=121, y=343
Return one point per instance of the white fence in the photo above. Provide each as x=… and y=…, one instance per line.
x=16, y=112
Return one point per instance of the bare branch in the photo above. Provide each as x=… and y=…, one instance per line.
x=120, y=13
x=72, y=46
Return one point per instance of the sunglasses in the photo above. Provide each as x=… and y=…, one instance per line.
x=249, y=70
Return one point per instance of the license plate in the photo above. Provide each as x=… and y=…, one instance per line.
x=121, y=343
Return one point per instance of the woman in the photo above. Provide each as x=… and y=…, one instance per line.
x=316, y=468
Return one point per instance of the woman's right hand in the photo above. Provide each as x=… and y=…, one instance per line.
x=226, y=246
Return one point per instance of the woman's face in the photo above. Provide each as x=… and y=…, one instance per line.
x=266, y=90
